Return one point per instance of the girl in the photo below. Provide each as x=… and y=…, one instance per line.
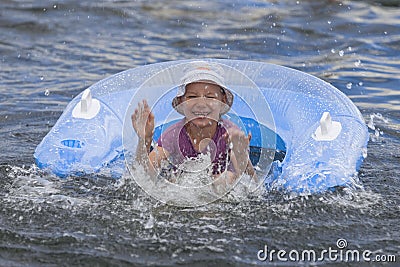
x=202, y=99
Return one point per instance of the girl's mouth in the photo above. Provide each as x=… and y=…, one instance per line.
x=201, y=114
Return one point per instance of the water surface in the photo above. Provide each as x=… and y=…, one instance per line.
x=50, y=52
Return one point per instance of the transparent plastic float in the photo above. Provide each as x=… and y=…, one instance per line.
x=307, y=136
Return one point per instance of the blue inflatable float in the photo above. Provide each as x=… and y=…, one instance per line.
x=308, y=136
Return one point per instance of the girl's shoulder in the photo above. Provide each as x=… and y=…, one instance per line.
x=226, y=123
x=174, y=129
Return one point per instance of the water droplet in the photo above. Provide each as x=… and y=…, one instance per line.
x=364, y=152
x=150, y=223
x=349, y=85
x=341, y=53
x=47, y=92
x=371, y=124
x=329, y=22
x=357, y=63
x=333, y=51
x=41, y=78
x=377, y=133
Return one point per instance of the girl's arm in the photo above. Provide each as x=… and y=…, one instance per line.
x=239, y=157
x=239, y=143
x=143, y=124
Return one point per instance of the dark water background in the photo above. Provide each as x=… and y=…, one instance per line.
x=52, y=50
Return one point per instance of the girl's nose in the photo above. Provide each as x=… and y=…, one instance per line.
x=201, y=100
x=201, y=103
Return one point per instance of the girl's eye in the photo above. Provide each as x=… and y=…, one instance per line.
x=212, y=96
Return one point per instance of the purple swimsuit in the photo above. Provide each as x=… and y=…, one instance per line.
x=176, y=141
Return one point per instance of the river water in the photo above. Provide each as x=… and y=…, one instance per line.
x=52, y=50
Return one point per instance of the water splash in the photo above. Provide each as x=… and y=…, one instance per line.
x=375, y=119
x=191, y=184
x=33, y=187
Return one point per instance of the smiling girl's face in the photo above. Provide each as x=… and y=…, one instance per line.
x=203, y=103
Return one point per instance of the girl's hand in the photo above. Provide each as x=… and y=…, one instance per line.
x=239, y=144
x=143, y=121
x=238, y=141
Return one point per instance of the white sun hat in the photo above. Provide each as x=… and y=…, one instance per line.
x=207, y=72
